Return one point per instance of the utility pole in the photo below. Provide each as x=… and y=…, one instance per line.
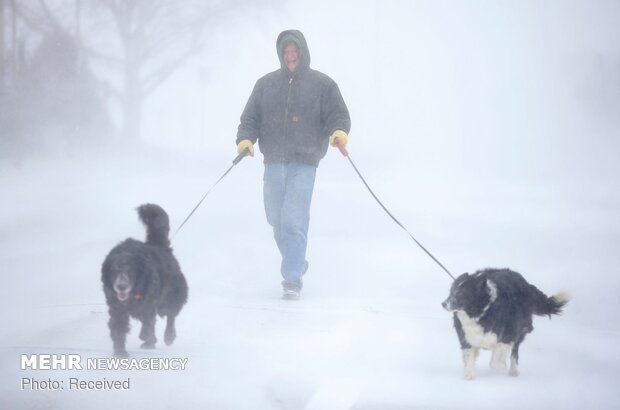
x=78, y=40
x=2, y=50
x=13, y=40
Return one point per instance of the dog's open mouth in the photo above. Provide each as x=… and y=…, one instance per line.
x=122, y=296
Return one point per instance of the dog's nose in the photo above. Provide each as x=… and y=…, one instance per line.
x=444, y=304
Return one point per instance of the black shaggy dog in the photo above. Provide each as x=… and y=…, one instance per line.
x=493, y=310
x=143, y=279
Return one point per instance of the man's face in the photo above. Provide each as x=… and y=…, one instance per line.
x=291, y=57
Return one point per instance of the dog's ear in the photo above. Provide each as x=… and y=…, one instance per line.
x=481, y=281
x=460, y=280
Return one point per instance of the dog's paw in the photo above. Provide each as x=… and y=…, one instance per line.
x=147, y=345
x=120, y=353
x=169, y=336
x=513, y=372
x=469, y=376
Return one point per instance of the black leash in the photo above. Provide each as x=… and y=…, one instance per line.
x=344, y=152
x=235, y=162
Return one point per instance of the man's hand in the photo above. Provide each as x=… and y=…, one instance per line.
x=339, y=137
x=243, y=144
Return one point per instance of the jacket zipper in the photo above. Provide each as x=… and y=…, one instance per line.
x=288, y=99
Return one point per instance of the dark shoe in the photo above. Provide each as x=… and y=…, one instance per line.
x=290, y=294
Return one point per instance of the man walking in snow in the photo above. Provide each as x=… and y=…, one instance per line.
x=293, y=113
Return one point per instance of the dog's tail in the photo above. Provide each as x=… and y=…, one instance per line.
x=155, y=219
x=552, y=305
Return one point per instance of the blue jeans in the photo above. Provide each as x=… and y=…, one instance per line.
x=287, y=192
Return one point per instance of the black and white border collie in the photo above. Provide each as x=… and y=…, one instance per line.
x=493, y=310
x=143, y=280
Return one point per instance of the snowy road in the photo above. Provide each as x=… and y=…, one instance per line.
x=369, y=332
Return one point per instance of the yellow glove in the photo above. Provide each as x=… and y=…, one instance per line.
x=339, y=137
x=243, y=144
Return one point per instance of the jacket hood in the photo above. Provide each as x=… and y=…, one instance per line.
x=286, y=37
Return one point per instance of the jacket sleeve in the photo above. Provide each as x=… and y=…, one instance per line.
x=334, y=111
x=251, y=117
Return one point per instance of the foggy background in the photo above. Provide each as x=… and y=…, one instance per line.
x=489, y=129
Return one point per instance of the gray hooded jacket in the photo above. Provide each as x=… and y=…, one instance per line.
x=292, y=115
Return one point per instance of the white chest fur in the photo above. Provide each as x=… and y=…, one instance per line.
x=475, y=334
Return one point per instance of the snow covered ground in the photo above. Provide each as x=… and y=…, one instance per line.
x=369, y=331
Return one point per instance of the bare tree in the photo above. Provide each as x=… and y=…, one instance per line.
x=156, y=37
x=3, y=59
x=8, y=40
x=139, y=43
